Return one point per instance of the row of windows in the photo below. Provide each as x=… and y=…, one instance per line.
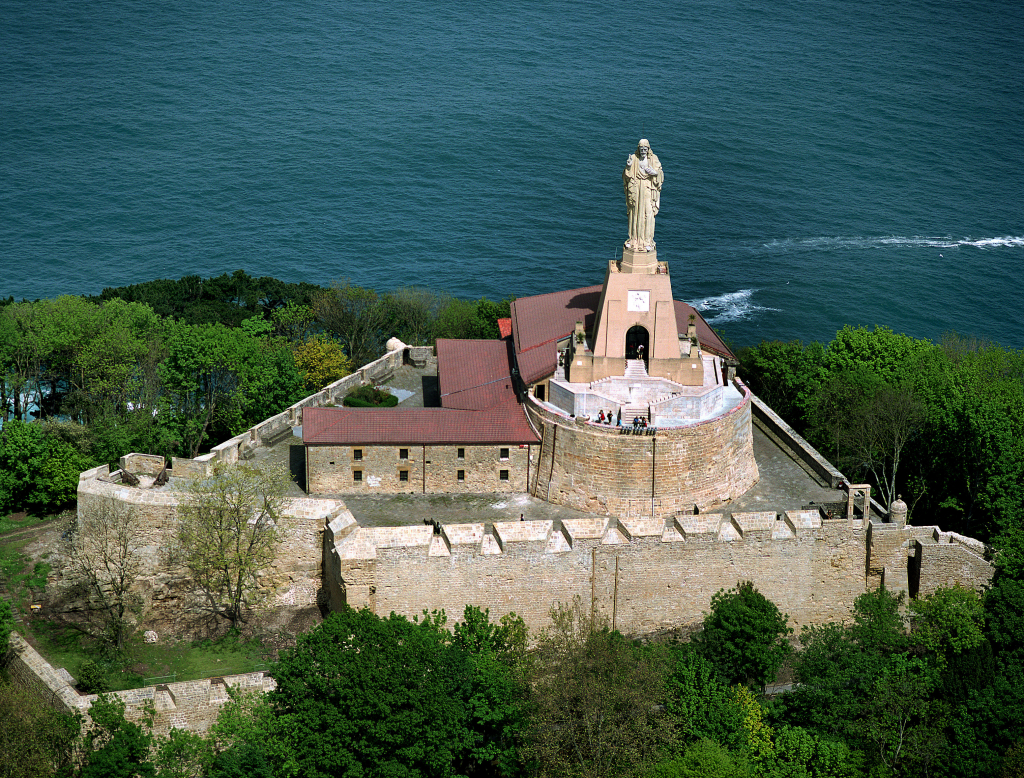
x=403, y=454
x=403, y=475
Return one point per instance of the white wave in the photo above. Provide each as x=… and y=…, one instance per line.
x=940, y=242
x=733, y=306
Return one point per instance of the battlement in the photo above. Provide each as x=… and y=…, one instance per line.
x=346, y=539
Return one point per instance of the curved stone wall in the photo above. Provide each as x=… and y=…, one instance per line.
x=599, y=469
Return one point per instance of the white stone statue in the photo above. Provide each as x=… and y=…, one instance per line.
x=641, y=181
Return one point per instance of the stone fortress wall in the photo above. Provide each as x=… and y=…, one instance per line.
x=601, y=469
x=294, y=582
x=644, y=574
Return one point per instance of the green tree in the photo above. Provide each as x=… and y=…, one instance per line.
x=700, y=701
x=35, y=740
x=182, y=754
x=37, y=472
x=745, y=635
x=6, y=626
x=784, y=375
x=114, y=747
x=218, y=381
x=357, y=317
x=704, y=759
x=321, y=361
x=949, y=621
x=902, y=719
x=596, y=699
x=228, y=535
x=392, y=697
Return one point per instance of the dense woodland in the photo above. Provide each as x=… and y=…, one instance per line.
x=934, y=687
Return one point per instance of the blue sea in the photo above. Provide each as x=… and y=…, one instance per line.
x=826, y=162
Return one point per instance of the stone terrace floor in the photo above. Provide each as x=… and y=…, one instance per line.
x=784, y=484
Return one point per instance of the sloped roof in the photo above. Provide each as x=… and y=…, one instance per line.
x=538, y=322
x=474, y=374
x=415, y=426
x=505, y=327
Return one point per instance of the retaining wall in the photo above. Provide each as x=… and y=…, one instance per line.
x=600, y=470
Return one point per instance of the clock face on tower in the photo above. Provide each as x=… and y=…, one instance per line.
x=639, y=301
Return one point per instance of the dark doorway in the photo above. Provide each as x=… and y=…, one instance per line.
x=636, y=343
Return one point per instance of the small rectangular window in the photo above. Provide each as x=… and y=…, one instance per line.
x=504, y=453
x=403, y=453
x=403, y=475
x=462, y=453
x=357, y=475
x=461, y=475
x=503, y=475
x=357, y=454
x=539, y=392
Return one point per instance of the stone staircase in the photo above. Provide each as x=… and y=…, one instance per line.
x=635, y=368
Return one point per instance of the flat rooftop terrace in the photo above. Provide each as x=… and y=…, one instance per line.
x=784, y=483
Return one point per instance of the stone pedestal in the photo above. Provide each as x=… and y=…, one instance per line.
x=639, y=261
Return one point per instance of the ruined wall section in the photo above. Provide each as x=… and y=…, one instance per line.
x=191, y=705
x=607, y=470
x=950, y=559
x=293, y=583
x=644, y=574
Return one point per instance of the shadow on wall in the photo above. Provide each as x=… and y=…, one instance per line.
x=297, y=464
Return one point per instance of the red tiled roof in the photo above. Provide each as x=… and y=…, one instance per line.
x=474, y=374
x=505, y=327
x=415, y=426
x=538, y=322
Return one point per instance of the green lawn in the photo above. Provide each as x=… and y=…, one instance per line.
x=166, y=662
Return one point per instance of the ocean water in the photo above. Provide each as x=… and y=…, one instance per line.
x=826, y=162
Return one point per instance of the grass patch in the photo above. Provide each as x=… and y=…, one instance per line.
x=65, y=647
x=18, y=521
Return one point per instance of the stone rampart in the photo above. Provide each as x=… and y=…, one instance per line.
x=785, y=436
x=952, y=559
x=598, y=469
x=191, y=705
x=645, y=574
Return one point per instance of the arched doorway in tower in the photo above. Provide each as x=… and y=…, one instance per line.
x=636, y=343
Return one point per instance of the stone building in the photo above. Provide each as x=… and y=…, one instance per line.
x=479, y=440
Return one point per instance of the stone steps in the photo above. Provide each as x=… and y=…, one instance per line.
x=635, y=368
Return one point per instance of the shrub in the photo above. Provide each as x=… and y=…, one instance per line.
x=370, y=397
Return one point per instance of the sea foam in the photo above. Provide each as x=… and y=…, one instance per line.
x=732, y=306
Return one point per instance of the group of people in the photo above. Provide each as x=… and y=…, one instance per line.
x=615, y=420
